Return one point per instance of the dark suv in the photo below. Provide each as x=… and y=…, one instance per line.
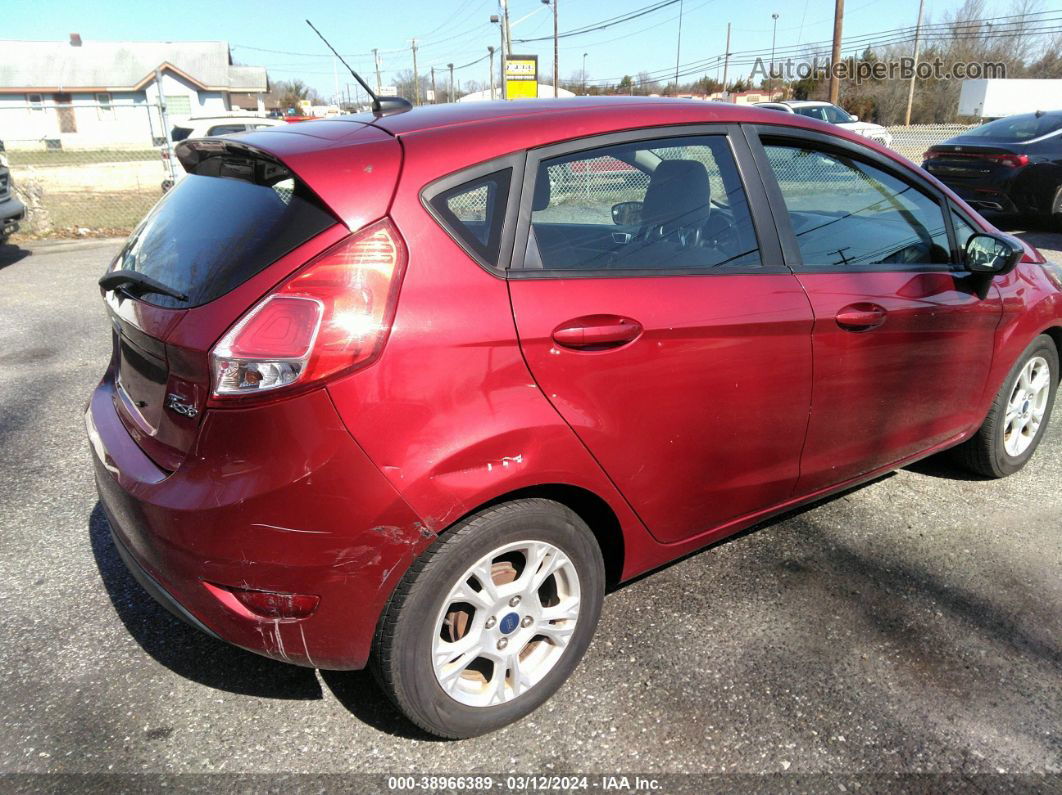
x=12, y=211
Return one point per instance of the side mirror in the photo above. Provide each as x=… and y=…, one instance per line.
x=993, y=254
x=627, y=213
x=854, y=117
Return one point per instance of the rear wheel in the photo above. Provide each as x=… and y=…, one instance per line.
x=491, y=621
x=1056, y=209
x=1019, y=415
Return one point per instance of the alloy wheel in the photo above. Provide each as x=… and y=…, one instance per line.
x=505, y=623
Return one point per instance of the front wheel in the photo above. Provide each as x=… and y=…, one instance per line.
x=492, y=620
x=1019, y=415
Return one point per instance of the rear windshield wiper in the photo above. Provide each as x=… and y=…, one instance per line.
x=138, y=283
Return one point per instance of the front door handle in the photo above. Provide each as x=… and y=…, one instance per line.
x=861, y=317
x=597, y=332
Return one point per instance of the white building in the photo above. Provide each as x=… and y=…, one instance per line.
x=97, y=94
x=544, y=92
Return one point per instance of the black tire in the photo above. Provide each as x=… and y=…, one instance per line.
x=985, y=453
x=1056, y=210
x=402, y=649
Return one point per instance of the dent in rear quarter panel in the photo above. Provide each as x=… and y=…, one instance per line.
x=1032, y=304
x=450, y=413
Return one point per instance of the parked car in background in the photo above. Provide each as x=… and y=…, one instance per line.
x=831, y=114
x=12, y=211
x=384, y=391
x=202, y=126
x=1011, y=165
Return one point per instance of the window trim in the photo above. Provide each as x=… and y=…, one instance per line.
x=429, y=192
x=759, y=210
x=755, y=134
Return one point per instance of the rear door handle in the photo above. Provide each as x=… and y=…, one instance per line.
x=597, y=332
x=861, y=317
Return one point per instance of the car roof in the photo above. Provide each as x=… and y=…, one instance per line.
x=231, y=117
x=803, y=103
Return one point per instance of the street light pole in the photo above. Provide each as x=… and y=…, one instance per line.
x=770, y=69
x=451, y=66
x=584, y=72
x=434, y=95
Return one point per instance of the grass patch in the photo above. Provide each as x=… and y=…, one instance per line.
x=119, y=212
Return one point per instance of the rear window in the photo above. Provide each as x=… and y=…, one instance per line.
x=1018, y=128
x=210, y=234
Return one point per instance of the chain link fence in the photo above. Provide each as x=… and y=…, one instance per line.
x=96, y=169
x=913, y=141
x=86, y=169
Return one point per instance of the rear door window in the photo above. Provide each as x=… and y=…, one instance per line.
x=225, y=129
x=210, y=234
x=654, y=205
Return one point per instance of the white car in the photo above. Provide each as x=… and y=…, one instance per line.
x=204, y=126
x=830, y=113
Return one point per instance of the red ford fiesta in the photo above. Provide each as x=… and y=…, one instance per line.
x=408, y=389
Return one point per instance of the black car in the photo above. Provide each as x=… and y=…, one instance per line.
x=11, y=209
x=1011, y=165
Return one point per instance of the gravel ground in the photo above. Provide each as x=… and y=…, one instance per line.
x=911, y=625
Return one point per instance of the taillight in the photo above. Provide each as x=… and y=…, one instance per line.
x=330, y=317
x=1011, y=161
x=930, y=154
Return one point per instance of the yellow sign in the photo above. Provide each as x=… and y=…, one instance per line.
x=521, y=76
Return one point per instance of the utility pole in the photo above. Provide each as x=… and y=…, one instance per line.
x=434, y=96
x=835, y=57
x=505, y=24
x=376, y=59
x=917, y=41
x=496, y=20
x=491, y=51
x=678, y=48
x=584, y=73
x=451, y=81
x=416, y=78
x=726, y=60
x=770, y=70
x=556, y=48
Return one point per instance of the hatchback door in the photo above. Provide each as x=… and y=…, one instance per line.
x=674, y=342
x=903, y=336
x=221, y=238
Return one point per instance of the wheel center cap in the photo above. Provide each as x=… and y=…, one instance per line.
x=509, y=623
x=1025, y=406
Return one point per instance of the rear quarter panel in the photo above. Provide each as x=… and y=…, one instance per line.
x=450, y=413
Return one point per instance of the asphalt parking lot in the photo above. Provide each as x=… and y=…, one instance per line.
x=911, y=625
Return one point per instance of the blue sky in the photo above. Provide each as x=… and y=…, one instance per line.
x=273, y=34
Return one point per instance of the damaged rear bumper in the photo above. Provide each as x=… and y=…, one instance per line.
x=273, y=498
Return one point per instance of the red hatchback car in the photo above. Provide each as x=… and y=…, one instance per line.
x=409, y=389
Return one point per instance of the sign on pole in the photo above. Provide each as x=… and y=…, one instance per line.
x=521, y=76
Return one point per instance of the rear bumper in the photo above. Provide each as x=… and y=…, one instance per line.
x=275, y=498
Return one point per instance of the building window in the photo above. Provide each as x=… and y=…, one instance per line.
x=35, y=101
x=178, y=105
x=104, y=107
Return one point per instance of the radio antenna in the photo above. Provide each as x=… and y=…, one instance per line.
x=379, y=104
